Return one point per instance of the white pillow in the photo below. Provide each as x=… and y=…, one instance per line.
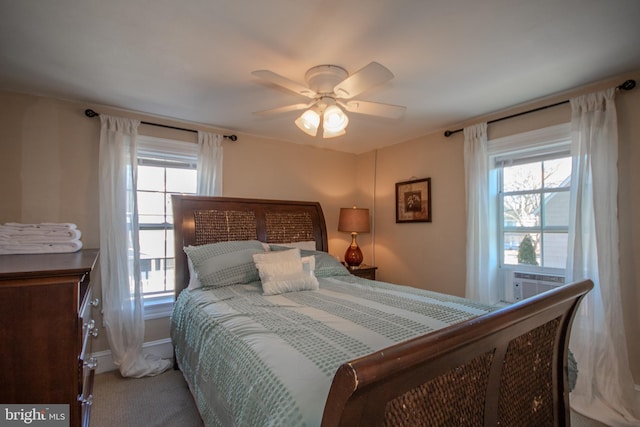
x=308, y=246
x=266, y=247
x=194, y=282
x=273, y=257
x=283, y=271
x=309, y=265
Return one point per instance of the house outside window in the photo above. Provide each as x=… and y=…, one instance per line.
x=165, y=167
x=531, y=183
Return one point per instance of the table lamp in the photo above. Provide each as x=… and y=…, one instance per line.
x=353, y=220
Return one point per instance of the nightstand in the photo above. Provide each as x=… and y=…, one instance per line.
x=364, y=271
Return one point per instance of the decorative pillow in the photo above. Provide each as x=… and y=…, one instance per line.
x=283, y=271
x=326, y=265
x=281, y=255
x=194, y=282
x=308, y=246
x=225, y=263
x=309, y=265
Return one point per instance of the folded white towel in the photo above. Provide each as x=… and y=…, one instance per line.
x=58, y=225
x=38, y=234
x=41, y=248
x=43, y=225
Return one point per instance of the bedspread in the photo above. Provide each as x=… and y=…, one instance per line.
x=254, y=360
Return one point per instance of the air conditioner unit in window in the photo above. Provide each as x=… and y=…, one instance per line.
x=521, y=285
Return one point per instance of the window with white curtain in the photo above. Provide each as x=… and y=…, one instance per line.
x=531, y=182
x=165, y=167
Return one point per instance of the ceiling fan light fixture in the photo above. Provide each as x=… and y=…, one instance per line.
x=331, y=89
x=308, y=122
x=334, y=119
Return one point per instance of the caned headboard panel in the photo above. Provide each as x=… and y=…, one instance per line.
x=199, y=220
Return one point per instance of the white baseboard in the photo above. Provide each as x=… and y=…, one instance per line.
x=161, y=348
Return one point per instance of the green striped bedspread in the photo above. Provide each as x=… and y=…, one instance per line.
x=254, y=360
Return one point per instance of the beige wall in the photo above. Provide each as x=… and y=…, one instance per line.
x=262, y=168
x=424, y=255
x=48, y=170
x=48, y=164
x=432, y=255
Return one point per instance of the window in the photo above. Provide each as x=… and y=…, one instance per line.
x=164, y=168
x=534, y=207
x=530, y=185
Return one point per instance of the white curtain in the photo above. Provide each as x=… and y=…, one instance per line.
x=120, y=250
x=604, y=390
x=480, y=281
x=209, y=164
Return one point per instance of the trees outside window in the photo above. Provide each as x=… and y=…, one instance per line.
x=534, y=203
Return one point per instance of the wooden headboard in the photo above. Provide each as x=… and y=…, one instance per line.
x=199, y=220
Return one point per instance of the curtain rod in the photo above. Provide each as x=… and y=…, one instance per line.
x=628, y=85
x=90, y=113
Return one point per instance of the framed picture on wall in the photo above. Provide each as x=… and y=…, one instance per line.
x=413, y=201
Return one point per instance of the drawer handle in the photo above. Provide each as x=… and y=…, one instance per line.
x=92, y=363
x=91, y=328
x=86, y=401
x=95, y=302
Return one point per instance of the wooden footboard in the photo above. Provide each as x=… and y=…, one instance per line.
x=505, y=368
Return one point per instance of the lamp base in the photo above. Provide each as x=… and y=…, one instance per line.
x=353, y=256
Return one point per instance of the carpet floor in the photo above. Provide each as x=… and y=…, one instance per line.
x=160, y=401
x=165, y=401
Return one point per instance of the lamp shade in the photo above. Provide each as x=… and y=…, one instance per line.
x=308, y=122
x=354, y=220
x=334, y=120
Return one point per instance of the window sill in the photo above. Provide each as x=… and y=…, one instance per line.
x=158, y=307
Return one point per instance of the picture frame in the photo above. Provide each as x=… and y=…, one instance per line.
x=413, y=201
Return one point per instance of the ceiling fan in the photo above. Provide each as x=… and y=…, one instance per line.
x=331, y=90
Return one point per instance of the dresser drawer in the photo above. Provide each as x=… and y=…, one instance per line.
x=86, y=398
x=87, y=364
x=89, y=329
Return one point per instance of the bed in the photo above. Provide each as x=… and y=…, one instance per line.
x=347, y=351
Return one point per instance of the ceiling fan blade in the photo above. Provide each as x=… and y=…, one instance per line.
x=371, y=75
x=279, y=80
x=374, y=108
x=285, y=109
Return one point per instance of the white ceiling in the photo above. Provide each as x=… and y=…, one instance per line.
x=192, y=59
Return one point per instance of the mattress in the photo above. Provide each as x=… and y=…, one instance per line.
x=255, y=360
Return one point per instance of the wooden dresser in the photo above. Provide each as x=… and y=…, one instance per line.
x=45, y=330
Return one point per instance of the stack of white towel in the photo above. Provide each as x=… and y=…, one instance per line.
x=43, y=238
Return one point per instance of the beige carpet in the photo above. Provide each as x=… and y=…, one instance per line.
x=165, y=401
x=160, y=401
